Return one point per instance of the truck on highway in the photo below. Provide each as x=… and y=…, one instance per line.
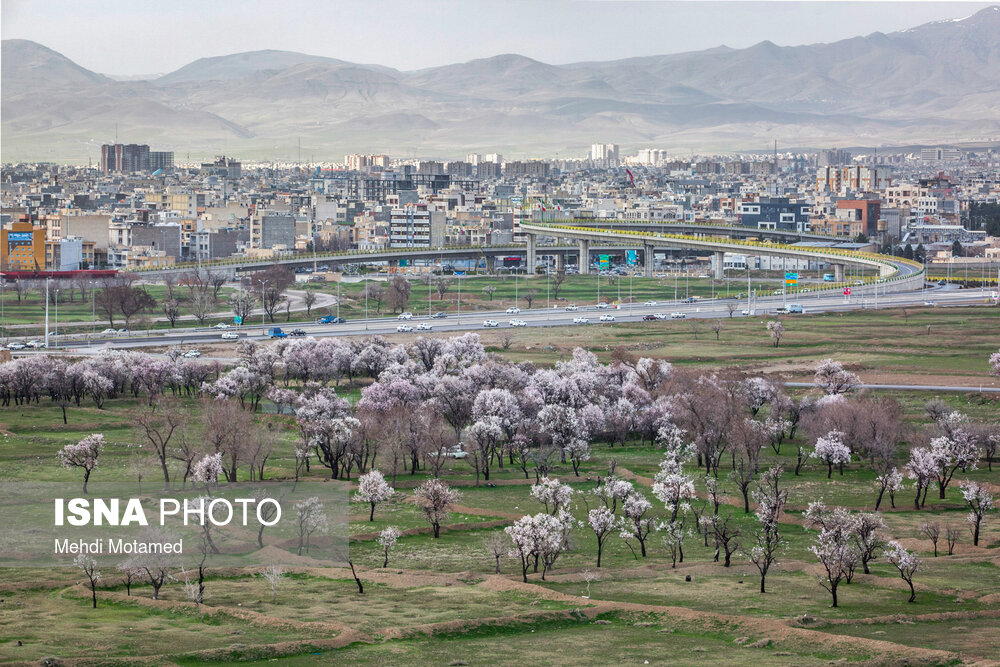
x=828, y=277
x=795, y=308
x=276, y=332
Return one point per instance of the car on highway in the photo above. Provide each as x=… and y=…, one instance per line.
x=796, y=308
x=650, y=318
x=439, y=315
x=650, y=303
x=405, y=316
x=602, y=306
x=221, y=325
x=690, y=299
x=404, y=328
x=858, y=283
x=330, y=319
x=423, y=326
x=581, y=320
x=513, y=310
x=16, y=346
x=745, y=312
x=677, y=316
x=490, y=323
x=297, y=333
x=109, y=332
x=230, y=335
x=660, y=316
x=122, y=332
x=572, y=308
x=517, y=323
x=36, y=344
x=930, y=303
x=942, y=283
x=607, y=318
x=191, y=354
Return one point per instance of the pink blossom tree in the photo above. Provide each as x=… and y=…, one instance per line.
x=602, y=522
x=980, y=501
x=832, y=451
x=386, y=540
x=832, y=379
x=83, y=455
x=905, y=562
x=436, y=498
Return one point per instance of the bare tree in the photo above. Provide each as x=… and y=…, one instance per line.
x=156, y=427
x=398, y=293
x=309, y=299
x=442, y=284
x=172, y=310
x=731, y=307
x=951, y=535
x=497, y=544
x=273, y=575
x=932, y=531
x=557, y=280
x=375, y=292
x=489, y=290
x=529, y=296
x=716, y=326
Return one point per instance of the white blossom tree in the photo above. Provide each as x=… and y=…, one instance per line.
x=83, y=455
x=832, y=379
x=637, y=521
x=905, y=561
x=273, y=575
x=373, y=489
x=980, y=502
x=952, y=452
x=831, y=450
x=387, y=540
x=995, y=363
x=776, y=330
x=890, y=482
x=868, y=533
x=836, y=553
x=309, y=518
x=207, y=471
x=552, y=493
x=88, y=566
x=602, y=522
x=922, y=468
x=767, y=541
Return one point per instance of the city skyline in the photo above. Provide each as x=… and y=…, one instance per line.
x=559, y=33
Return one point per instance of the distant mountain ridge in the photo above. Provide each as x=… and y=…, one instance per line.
x=939, y=82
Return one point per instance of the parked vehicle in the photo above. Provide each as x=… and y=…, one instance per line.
x=276, y=332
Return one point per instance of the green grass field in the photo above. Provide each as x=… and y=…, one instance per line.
x=439, y=601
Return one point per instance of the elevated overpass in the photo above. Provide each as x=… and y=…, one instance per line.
x=236, y=265
x=898, y=274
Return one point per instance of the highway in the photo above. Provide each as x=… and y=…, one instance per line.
x=765, y=309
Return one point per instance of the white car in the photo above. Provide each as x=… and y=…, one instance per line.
x=650, y=303
x=745, y=312
x=16, y=346
x=518, y=323
x=581, y=320
x=490, y=323
x=926, y=303
x=35, y=344
x=602, y=306
x=191, y=354
x=660, y=316
x=677, y=316
x=423, y=326
x=221, y=325
x=572, y=308
x=123, y=332
x=109, y=332
x=230, y=335
x=404, y=328
x=405, y=316
x=607, y=318
x=513, y=310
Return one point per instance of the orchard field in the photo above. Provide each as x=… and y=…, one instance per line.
x=581, y=445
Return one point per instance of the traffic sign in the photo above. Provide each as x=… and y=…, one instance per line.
x=791, y=278
x=630, y=257
x=238, y=320
x=847, y=291
x=605, y=261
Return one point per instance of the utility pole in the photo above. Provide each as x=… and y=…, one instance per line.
x=47, y=292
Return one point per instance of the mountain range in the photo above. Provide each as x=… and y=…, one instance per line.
x=936, y=83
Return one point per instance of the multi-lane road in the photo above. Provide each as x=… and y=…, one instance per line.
x=548, y=317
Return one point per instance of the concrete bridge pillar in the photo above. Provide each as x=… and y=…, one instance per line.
x=648, y=255
x=838, y=273
x=584, y=256
x=560, y=261
x=491, y=264
x=720, y=266
x=531, y=254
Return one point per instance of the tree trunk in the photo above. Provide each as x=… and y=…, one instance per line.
x=371, y=516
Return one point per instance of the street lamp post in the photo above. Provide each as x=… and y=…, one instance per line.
x=47, y=313
x=57, y=318
x=263, y=287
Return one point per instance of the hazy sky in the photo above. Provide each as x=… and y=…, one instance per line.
x=132, y=37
